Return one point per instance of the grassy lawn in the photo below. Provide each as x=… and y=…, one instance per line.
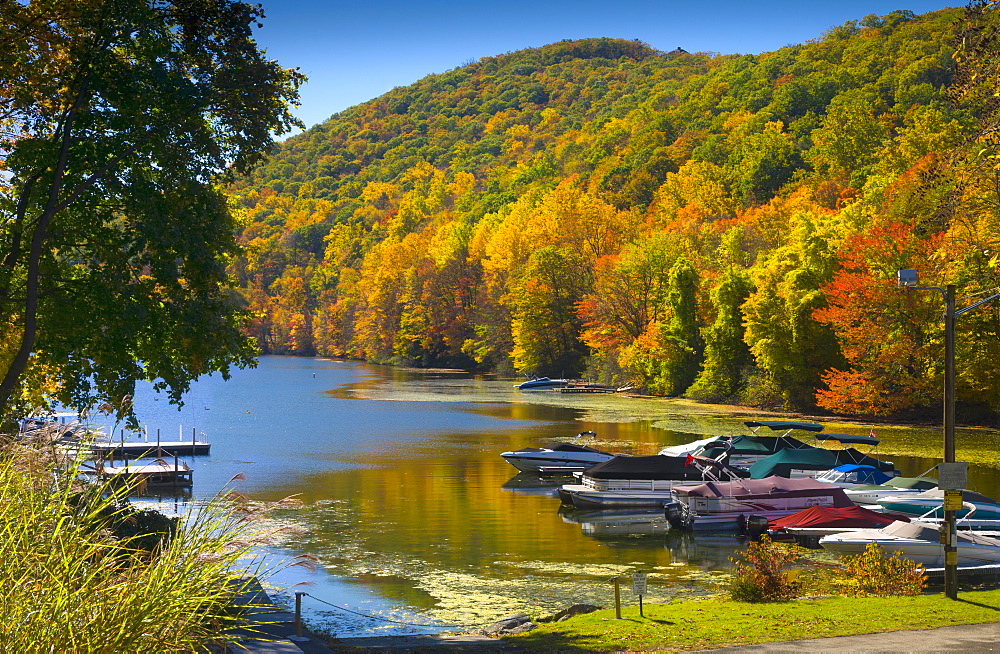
x=709, y=623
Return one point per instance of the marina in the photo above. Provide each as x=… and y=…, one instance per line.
x=405, y=501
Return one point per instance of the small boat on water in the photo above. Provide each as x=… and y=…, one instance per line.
x=930, y=503
x=897, y=486
x=851, y=475
x=558, y=456
x=540, y=383
x=640, y=481
x=814, y=461
x=728, y=505
x=746, y=449
x=918, y=541
x=807, y=526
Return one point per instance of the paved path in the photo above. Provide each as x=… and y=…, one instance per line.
x=968, y=639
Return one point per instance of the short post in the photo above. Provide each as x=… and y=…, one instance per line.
x=159, y=451
x=618, y=599
x=298, y=637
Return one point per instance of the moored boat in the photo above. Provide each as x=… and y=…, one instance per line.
x=728, y=505
x=540, y=383
x=917, y=541
x=851, y=475
x=746, y=449
x=807, y=526
x=929, y=503
x=640, y=481
x=898, y=486
x=558, y=455
x=814, y=461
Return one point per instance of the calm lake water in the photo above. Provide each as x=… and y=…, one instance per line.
x=413, y=516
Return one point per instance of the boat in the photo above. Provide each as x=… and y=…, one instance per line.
x=807, y=526
x=813, y=461
x=558, y=456
x=728, y=505
x=870, y=494
x=929, y=503
x=539, y=383
x=851, y=475
x=640, y=481
x=917, y=541
x=746, y=449
x=694, y=447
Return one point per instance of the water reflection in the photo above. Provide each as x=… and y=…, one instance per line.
x=412, y=513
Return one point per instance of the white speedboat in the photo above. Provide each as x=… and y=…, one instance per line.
x=639, y=481
x=728, y=505
x=558, y=456
x=917, y=541
x=897, y=486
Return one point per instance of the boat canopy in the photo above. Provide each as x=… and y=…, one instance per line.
x=863, y=473
x=782, y=463
x=656, y=466
x=749, y=444
x=848, y=517
x=771, y=486
x=783, y=424
x=848, y=438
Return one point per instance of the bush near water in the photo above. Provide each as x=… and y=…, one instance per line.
x=81, y=571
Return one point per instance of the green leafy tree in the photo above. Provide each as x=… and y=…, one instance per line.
x=727, y=357
x=117, y=118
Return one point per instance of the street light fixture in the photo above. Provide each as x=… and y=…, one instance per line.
x=951, y=477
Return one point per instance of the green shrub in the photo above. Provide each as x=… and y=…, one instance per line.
x=875, y=574
x=80, y=574
x=759, y=575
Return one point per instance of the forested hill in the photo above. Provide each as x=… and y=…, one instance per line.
x=721, y=226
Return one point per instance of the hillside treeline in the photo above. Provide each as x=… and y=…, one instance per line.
x=726, y=227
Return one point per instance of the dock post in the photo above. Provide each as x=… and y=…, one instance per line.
x=159, y=452
x=618, y=599
x=175, y=471
x=193, y=440
x=298, y=615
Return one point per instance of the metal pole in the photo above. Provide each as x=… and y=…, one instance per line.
x=951, y=537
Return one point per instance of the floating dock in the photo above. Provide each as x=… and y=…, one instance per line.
x=157, y=473
x=144, y=450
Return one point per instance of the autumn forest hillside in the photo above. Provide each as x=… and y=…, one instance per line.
x=725, y=227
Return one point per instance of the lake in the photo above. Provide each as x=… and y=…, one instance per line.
x=410, y=512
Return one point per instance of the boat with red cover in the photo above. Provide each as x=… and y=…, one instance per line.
x=807, y=526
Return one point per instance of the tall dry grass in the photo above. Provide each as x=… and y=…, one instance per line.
x=67, y=584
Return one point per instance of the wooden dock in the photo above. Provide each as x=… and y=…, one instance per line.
x=144, y=450
x=156, y=474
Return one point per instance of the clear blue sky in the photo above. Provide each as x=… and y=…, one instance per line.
x=353, y=51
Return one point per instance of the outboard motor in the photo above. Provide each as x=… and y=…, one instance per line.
x=675, y=514
x=756, y=526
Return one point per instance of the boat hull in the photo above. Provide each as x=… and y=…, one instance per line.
x=929, y=553
x=536, y=462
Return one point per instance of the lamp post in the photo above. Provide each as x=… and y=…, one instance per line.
x=908, y=279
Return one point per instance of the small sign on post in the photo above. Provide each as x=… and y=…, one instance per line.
x=953, y=476
x=639, y=587
x=953, y=500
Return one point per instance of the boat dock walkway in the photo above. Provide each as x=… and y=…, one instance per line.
x=157, y=473
x=143, y=450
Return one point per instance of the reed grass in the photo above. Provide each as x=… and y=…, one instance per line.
x=69, y=585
